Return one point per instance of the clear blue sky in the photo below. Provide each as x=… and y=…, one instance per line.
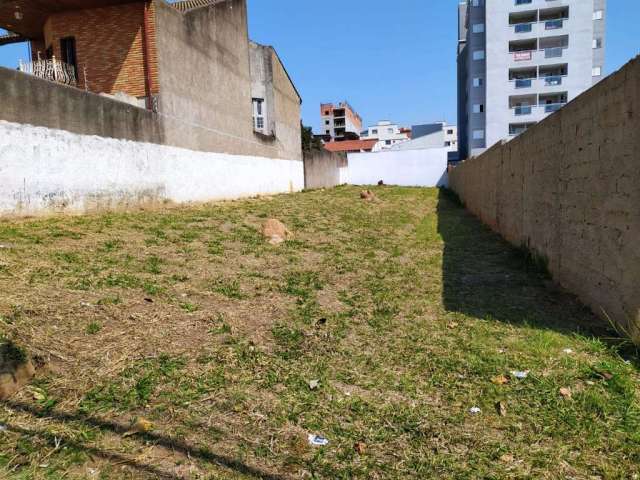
x=391, y=60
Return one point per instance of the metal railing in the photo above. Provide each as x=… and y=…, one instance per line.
x=53, y=70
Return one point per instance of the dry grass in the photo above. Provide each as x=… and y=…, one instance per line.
x=404, y=309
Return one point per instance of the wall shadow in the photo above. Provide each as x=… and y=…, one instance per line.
x=170, y=443
x=485, y=277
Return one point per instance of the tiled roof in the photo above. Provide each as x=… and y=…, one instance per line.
x=350, y=145
x=186, y=5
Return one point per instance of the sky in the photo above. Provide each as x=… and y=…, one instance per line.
x=392, y=60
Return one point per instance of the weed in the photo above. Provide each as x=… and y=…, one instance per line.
x=228, y=288
x=93, y=328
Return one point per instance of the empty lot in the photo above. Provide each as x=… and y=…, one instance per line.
x=378, y=326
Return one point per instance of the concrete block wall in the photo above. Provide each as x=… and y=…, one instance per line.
x=569, y=190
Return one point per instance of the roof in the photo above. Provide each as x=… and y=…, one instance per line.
x=350, y=145
x=186, y=5
x=27, y=17
x=7, y=38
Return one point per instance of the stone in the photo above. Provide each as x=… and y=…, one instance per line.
x=16, y=370
x=275, y=231
x=367, y=195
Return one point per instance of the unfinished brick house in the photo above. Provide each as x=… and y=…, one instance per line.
x=189, y=61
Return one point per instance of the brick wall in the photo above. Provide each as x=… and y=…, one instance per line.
x=109, y=44
x=569, y=190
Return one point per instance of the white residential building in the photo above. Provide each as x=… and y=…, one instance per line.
x=521, y=60
x=387, y=133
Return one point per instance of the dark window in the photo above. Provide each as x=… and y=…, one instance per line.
x=387, y=142
x=48, y=53
x=68, y=49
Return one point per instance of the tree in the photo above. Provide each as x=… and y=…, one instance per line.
x=310, y=143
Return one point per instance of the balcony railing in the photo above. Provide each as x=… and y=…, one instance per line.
x=524, y=110
x=53, y=70
x=523, y=82
x=554, y=24
x=553, y=107
x=552, y=80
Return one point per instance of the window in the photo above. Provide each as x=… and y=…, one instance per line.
x=258, y=114
x=477, y=81
x=328, y=132
x=68, y=49
x=597, y=43
x=478, y=108
x=597, y=71
x=598, y=15
x=374, y=131
x=387, y=142
x=477, y=3
x=478, y=55
x=523, y=2
x=478, y=28
x=447, y=144
x=327, y=112
x=478, y=134
x=326, y=122
x=449, y=132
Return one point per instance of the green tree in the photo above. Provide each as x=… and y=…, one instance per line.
x=310, y=143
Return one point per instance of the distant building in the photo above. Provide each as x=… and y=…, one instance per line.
x=432, y=135
x=521, y=60
x=339, y=122
x=351, y=146
x=387, y=135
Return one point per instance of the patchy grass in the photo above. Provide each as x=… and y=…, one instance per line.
x=403, y=314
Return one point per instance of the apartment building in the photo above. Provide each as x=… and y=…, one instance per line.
x=521, y=60
x=386, y=133
x=339, y=121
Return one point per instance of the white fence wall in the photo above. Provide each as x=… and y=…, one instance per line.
x=412, y=168
x=44, y=171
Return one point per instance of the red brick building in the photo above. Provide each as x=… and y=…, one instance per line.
x=191, y=62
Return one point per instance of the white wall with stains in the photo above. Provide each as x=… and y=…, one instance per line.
x=45, y=171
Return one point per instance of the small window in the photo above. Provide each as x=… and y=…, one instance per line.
x=326, y=122
x=477, y=3
x=597, y=71
x=258, y=114
x=374, y=131
x=328, y=132
x=447, y=144
x=477, y=81
x=478, y=28
x=478, y=134
x=387, y=142
x=327, y=112
x=598, y=15
x=449, y=132
x=478, y=108
x=478, y=55
x=597, y=43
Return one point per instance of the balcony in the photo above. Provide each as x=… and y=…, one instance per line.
x=554, y=18
x=52, y=70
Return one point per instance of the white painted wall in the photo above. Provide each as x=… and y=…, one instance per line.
x=44, y=170
x=414, y=168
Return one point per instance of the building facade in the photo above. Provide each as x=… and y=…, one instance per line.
x=521, y=60
x=339, y=121
x=190, y=62
x=386, y=133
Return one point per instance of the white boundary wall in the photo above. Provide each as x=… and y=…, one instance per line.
x=45, y=171
x=412, y=168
